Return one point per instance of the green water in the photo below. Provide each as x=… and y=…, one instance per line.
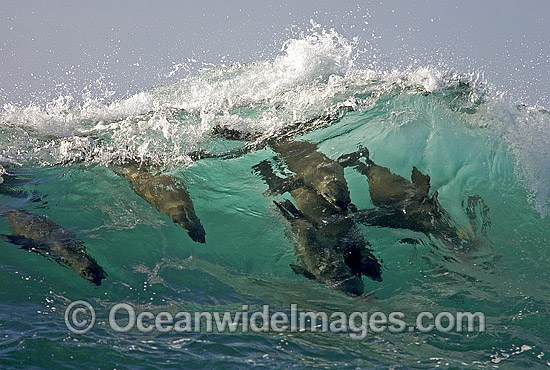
x=153, y=265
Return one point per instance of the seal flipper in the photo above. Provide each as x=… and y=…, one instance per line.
x=277, y=185
x=299, y=270
x=353, y=159
x=32, y=246
x=362, y=261
x=20, y=241
x=289, y=211
x=420, y=181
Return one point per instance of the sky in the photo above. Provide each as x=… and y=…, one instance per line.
x=72, y=46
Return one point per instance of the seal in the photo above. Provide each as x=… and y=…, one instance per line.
x=41, y=235
x=329, y=245
x=406, y=204
x=316, y=170
x=167, y=194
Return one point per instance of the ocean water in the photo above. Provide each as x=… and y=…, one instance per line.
x=454, y=126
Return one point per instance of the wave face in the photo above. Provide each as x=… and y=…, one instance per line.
x=468, y=138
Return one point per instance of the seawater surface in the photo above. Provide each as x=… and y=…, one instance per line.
x=470, y=140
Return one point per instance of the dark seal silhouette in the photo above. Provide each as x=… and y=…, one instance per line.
x=167, y=194
x=41, y=235
x=329, y=245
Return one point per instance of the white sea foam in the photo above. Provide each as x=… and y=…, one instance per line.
x=312, y=76
x=527, y=130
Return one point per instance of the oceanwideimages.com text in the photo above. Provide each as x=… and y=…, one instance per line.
x=80, y=318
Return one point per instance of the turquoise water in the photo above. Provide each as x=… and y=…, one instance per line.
x=471, y=141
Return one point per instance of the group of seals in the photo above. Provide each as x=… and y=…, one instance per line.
x=324, y=223
x=328, y=243
x=41, y=235
x=330, y=246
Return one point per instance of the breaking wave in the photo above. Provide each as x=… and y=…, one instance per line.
x=314, y=80
x=470, y=138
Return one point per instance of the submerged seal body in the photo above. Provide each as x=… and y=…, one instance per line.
x=167, y=194
x=406, y=204
x=41, y=235
x=329, y=244
x=316, y=170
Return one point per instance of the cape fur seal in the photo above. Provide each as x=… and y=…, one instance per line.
x=316, y=170
x=167, y=194
x=406, y=204
x=41, y=235
x=330, y=245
